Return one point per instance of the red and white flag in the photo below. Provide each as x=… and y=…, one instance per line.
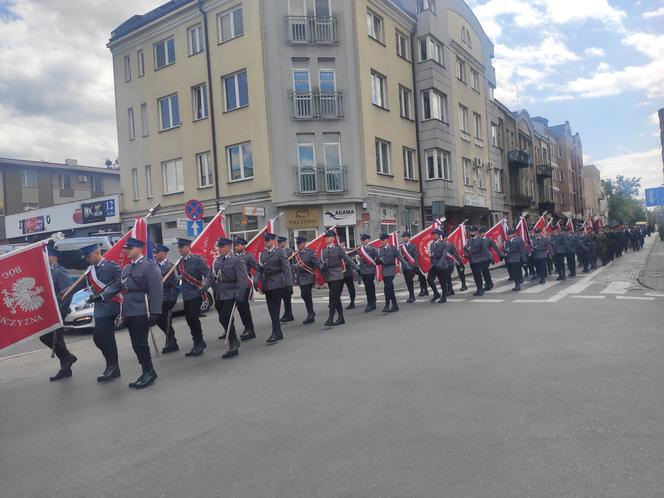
x=256, y=245
x=206, y=243
x=497, y=233
x=569, y=225
x=117, y=252
x=522, y=231
x=458, y=237
x=422, y=241
x=541, y=224
x=549, y=228
x=317, y=245
x=28, y=303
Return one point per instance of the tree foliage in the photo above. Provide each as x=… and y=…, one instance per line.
x=623, y=196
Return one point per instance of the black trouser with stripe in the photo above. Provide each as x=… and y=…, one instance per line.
x=305, y=293
x=225, y=309
x=60, y=348
x=514, y=270
x=571, y=263
x=350, y=285
x=431, y=279
x=138, y=333
x=273, y=298
x=370, y=287
x=104, y=338
x=245, y=311
x=336, y=288
x=192, y=313
x=481, y=274
x=165, y=322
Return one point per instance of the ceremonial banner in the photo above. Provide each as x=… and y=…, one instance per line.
x=549, y=228
x=317, y=245
x=422, y=241
x=541, y=224
x=497, y=233
x=29, y=306
x=569, y=225
x=206, y=243
x=522, y=231
x=458, y=238
x=117, y=252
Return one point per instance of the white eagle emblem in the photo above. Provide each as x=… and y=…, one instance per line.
x=24, y=295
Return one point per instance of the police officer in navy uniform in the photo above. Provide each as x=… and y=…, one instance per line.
x=243, y=307
x=288, y=293
x=515, y=255
x=559, y=248
x=490, y=244
x=101, y=273
x=540, y=247
x=583, y=249
x=411, y=255
x=443, y=260
x=305, y=263
x=570, y=255
x=192, y=271
x=433, y=273
x=229, y=280
x=275, y=275
x=388, y=255
x=349, y=278
x=170, y=297
x=368, y=255
x=333, y=264
x=55, y=340
x=477, y=252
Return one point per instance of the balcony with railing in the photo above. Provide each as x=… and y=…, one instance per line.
x=544, y=171
x=519, y=158
x=320, y=179
x=312, y=30
x=317, y=105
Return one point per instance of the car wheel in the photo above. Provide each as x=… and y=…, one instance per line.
x=207, y=303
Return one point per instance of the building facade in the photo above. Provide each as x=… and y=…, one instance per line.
x=31, y=185
x=595, y=203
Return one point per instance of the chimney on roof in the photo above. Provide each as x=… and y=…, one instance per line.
x=71, y=162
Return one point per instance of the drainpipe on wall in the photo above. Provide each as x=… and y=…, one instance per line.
x=416, y=108
x=211, y=104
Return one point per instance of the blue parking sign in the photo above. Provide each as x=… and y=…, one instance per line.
x=655, y=197
x=194, y=228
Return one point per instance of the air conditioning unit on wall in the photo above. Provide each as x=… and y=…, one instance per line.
x=477, y=162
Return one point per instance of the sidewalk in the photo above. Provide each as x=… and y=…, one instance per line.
x=652, y=275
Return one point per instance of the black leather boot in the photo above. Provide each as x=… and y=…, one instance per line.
x=340, y=320
x=311, y=318
x=63, y=373
x=351, y=306
x=275, y=337
x=198, y=349
x=170, y=347
x=247, y=335
x=386, y=309
x=233, y=350
x=145, y=380
x=287, y=317
x=330, y=320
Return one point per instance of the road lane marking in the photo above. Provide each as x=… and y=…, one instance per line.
x=588, y=297
x=617, y=287
x=531, y=301
x=537, y=288
x=487, y=300
x=654, y=294
x=636, y=298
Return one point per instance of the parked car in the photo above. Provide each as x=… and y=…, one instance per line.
x=71, y=257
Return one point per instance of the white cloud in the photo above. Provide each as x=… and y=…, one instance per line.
x=646, y=164
x=595, y=52
x=603, y=67
x=654, y=118
x=565, y=11
x=654, y=13
x=559, y=98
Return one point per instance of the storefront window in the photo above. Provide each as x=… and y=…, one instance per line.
x=243, y=226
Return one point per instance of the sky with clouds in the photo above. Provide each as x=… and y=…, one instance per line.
x=597, y=63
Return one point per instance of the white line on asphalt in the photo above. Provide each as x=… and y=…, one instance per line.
x=531, y=301
x=500, y=290
x=654, y=294
x=636, y=298
x=487, y=300
x=617, y=287
x=453, y=300
x=536, y=289
x=588, y=297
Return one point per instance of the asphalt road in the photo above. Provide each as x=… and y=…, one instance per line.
x=556, y=391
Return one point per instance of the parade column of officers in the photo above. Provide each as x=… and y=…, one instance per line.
x=144, y=292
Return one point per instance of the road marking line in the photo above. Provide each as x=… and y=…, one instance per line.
x=654, y=294
x=617, y=287
x=487, y=300
x=537, y=288
x=500, y=290
x=531, y=301
x=453, y=300
x=636, y=298
x=588, y=297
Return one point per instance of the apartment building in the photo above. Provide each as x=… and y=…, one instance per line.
x=569, y=157
x=302, y=108
x=595, y=202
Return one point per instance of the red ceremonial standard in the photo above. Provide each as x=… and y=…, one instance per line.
x=206, y=243
x=422, y=241
x=256, y=245
x=29, y=306
x=497, y=233
x=317, y=245
x=117, y=252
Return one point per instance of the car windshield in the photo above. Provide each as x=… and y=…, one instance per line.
x=80, y=296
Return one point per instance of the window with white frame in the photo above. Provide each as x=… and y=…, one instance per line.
x=173, y=176
x=28, y=178
x=148, y=181
x=434, y=105
x=243, y=226
x=423, y=5
x=327, y=76
x=478, y=126
x=195, y=38
x=140, y=63
x=375, y=26
x=491, y=91
x=497, y=180
x=236, y=90
x=169, y=112
x=460, y=69
x=475, y=80
x=382, y=157
x=127, y=68
x=479, y=172
x=230, y=24
x=240, y=161
x=204, y=169
x=332, y=150
x=96, y=184
x=408, y=164
x=432, y=49
x=132, y=126
x=437, y=164
x=65, y=181
x=463, y=118
x=164, y=53
x=403, y=45
x=378, y=89
x=494, y=134
x=199, y=101
x=134, y=182
x=467, y=179
x=405, y=102
x=144, y=119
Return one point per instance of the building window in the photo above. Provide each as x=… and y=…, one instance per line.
x=199, y=101
x=382, y=157
x=434, y=105
x=164, y=53
x=205, y=178
x=65, y=181
x=148, y=181
x=460, y=69
x=332, y=150
x=132, y=126
x=127, y=68
x=498, y=180
x=378, y=89
x=140, y=63
x=405, y=99
x=403, y=47
x=375, y=26
x=173, y=175
x=235, y=88
x=494, y=134
x=30, y=206
x=195, y=39
x=243, y=226
x=169, y=112
x=475, y=80
x=480, y=177
x=408, y=164
x=134, y=182
x=28, y=178
x=438, y=164
x=144, y=119
x=466, y=171
x=432, y=49
x=463, y=119
x=465, y=37
x=423, y=5
x=240, y=161
x=97, y=184
x=231, y=25
x=478, y=126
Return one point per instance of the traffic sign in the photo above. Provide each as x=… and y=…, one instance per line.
x=194, y=227
x=655, y=197
x=194, y=209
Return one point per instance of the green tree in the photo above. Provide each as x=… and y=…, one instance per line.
x=623, y=194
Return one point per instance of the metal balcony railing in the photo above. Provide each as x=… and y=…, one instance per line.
x=319, y=179
x=521, y=200
x=519, y=158
x=544, y=171
x=317, y=105
x=312, y=29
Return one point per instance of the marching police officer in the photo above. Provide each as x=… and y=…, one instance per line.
x=443, y=259
x=100, y=274
x=306, y=263
x=516, y=255
x=349, y=278
x=192, y=271
x=572, y=245
x=143, y=292
x=333, y=261
x=165, y=323
x=229, y=280
x=477, y=252
x=490, y=244
x=433, y=271
x=410, y=254
x=583, y=248
x=243, y=305
x=559, y=248
x=540, y=248
x=275, y=275
x=388, y=255
x=55, y=340
x=288, y=293
x=368, y=255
